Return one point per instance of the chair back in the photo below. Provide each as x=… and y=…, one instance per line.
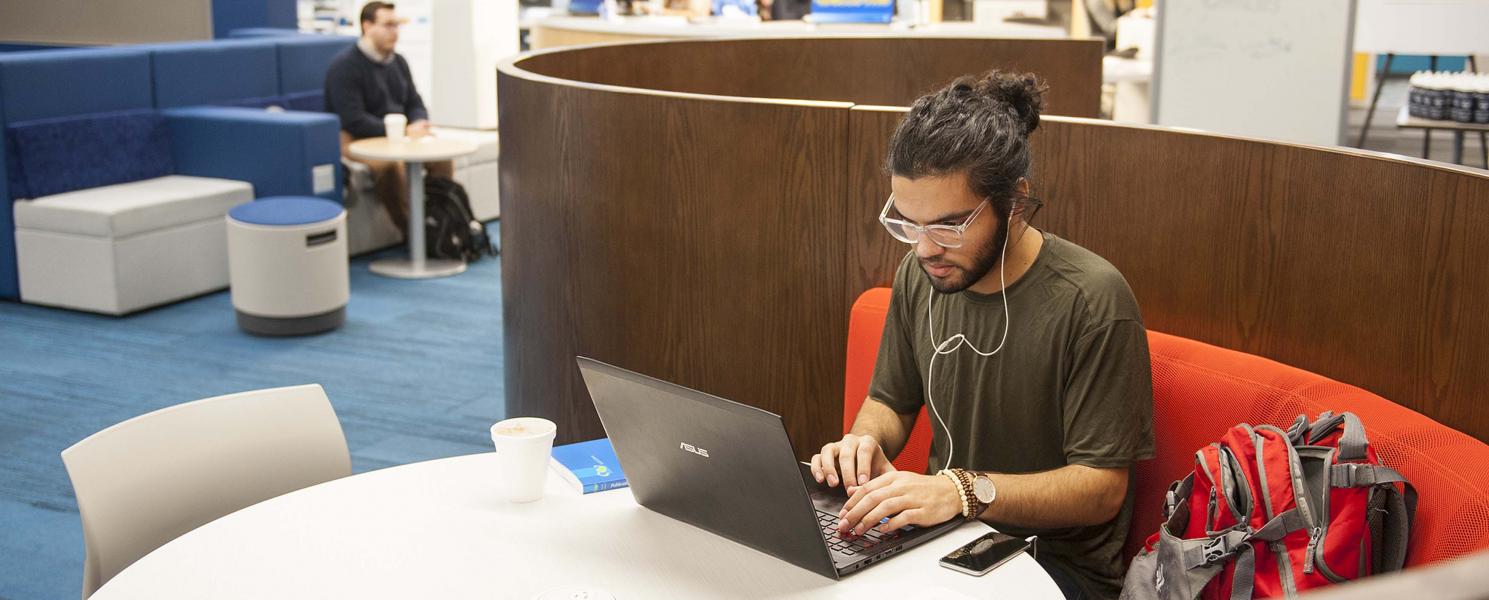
x=215, y=73
x=146, y=481
x=865, y=328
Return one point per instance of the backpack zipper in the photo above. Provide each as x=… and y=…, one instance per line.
x=1313, y=537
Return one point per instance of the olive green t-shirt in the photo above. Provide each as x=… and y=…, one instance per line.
x=1071, y=386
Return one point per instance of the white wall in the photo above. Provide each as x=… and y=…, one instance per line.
x=98, y=22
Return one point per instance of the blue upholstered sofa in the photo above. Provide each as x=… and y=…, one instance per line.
x=116, y=165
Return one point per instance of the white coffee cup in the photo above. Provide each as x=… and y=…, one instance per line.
x=396, y=126
x=523, y=448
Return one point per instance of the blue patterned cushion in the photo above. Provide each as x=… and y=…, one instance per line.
x=53, y=156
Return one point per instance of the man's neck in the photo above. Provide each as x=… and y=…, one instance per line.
x=1023, y=248
x=372, y=53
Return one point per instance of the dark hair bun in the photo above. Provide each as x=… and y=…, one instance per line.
x=1022, y=92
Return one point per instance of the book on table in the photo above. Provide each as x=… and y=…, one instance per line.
x=589, y=466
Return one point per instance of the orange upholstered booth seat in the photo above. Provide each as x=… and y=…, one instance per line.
x=1200, y=390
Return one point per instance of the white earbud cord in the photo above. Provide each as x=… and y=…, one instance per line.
x=961, y=339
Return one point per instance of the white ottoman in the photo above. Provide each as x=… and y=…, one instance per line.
x=121, y=248
x=287, y=265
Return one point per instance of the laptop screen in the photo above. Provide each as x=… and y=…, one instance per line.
x=715, y=464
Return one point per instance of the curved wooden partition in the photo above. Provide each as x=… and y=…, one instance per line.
x=863, y=70
x=718, y=241
x=665, y=211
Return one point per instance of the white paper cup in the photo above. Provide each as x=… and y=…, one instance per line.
x=523, y=448
x=396, y=126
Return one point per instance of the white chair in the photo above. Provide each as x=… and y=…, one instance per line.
x=146, y=481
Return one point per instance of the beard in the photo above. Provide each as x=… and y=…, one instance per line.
x=983, y=261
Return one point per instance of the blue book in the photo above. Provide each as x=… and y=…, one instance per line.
x=589, y=466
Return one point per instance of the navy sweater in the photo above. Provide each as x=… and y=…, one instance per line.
x=361, y=92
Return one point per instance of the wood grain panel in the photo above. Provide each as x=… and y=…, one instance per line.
x=543, y=37
x=872, y=255
x=890, y=71
x=687, y=245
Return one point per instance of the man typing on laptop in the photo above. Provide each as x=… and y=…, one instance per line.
x=1027, y=350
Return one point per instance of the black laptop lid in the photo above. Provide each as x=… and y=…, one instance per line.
x=709, y=462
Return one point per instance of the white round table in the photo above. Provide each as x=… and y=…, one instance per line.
x=438, y=529
x=414, y=152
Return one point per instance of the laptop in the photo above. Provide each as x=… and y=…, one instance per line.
x=729, y=469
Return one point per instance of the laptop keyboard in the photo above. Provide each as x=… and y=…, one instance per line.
x=847, y=543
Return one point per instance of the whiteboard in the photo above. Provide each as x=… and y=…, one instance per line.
x=1276, y=69
x=1442, y=27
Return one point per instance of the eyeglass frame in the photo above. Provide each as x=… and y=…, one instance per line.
x=920, y=230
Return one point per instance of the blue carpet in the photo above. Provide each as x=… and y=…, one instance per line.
x=414, y=374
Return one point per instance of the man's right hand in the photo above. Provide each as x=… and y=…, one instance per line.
x=853, y=461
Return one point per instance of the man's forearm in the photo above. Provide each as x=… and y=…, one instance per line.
x=1070, y=496
x=891, y=429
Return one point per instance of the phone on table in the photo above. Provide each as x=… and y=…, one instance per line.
x=988, y=552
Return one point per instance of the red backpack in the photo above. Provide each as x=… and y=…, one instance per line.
x=1271, y=513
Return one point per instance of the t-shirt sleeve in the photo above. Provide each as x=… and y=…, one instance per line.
x=1108, y=410
x=896, y=381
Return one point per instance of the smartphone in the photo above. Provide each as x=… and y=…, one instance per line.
x=987, y=552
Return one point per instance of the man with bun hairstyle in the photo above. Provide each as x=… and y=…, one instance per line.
x=1027, y=350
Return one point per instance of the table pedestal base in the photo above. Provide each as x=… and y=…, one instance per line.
x=404, y=268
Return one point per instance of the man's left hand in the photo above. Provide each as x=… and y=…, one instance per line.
x=418, y=129
x=905, y=498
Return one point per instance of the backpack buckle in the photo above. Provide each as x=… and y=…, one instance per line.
x=1221, y=547
x=1215, y=550
x=1351, y=475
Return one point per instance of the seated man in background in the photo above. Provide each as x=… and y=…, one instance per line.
x=369, y=81
x=1028, y=351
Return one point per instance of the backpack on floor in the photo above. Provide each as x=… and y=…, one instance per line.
x=1270, y=513
x=451, y=230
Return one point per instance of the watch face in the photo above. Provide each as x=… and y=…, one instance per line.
x=983, y=488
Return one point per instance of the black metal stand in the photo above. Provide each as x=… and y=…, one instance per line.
x=1380, y=84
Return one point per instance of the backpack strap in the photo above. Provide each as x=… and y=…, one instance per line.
x=1177, y=491
x=1345, y=475
x=1352, y=444
x=1396, y=529
x=1297, y=433
x=1326, y=423
x=1200, y=553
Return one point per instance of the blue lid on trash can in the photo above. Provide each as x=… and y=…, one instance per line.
x=285, y=211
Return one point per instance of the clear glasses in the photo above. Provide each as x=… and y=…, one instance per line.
x=945, y=236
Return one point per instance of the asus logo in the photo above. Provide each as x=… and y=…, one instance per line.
x=694, y=449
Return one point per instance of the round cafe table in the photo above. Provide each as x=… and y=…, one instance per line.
x=438, y=529
x=414, y=152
